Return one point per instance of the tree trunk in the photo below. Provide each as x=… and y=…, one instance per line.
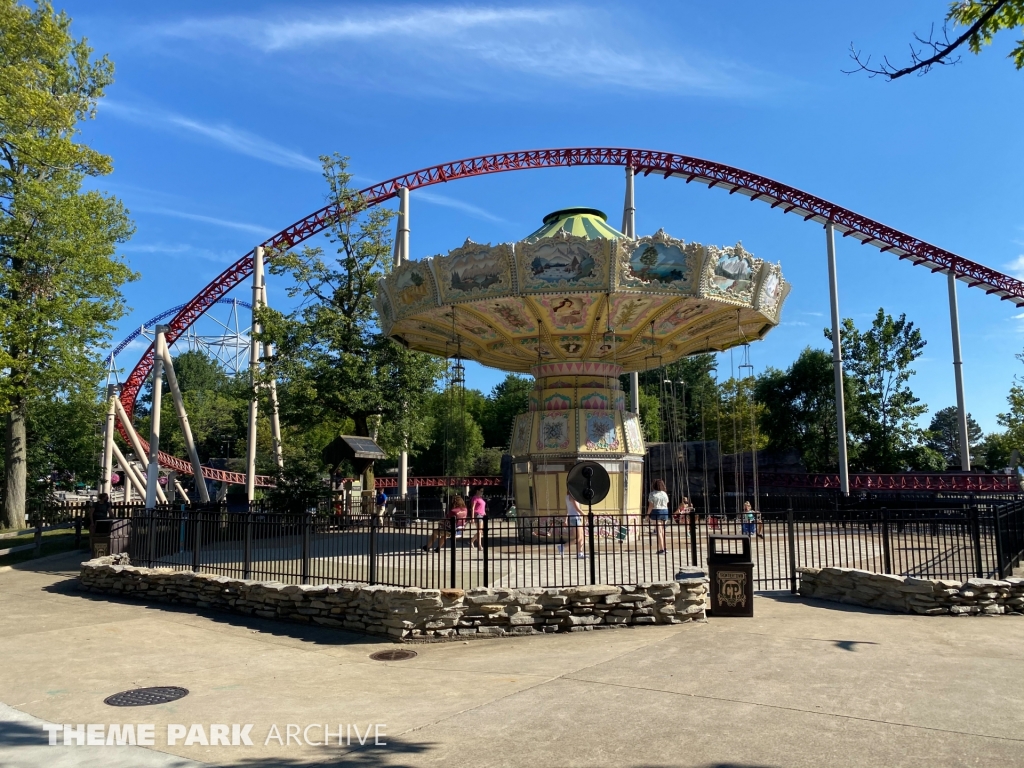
x=15, y=470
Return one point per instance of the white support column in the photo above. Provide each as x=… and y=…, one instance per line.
x=254, y=363
x=107, y=462
x=133, y=438
x=179, y=489
x=153, y=467
x=132, y=478
x=275, y=413
x=402, y=254
x=179, y=407
x=837, y=359
x=958, y=373
x=629, y=230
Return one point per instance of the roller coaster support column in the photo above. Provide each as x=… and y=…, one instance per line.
x=254, y=364
x=629, y=230
x=107, y=467
x=402, y=254
x=837, y=359
x=275, y=413
x=179, y=407
x=958, y=372
x=153, y=468
x=133, y=438
x=132, y=478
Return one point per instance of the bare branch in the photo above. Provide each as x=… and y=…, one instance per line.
x=941, y=50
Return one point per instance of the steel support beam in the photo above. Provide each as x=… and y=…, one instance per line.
x=107, y=464
x=153, y=467
x=958, y=374
x=133, y=438
x=275, y=411
x=402, y=254
x=132, y=478
x=837, y=359
x=629, y=230
x=254, y=364
x=179, y=407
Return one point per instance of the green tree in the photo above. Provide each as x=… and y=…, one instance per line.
x=943, y=435
x=879, y=360
x=980, y=21
x=800, y=409
x=456, y=439
x=65, y=441
x=338, y=367
x=59, y=276
x=673, y=410
x=506, y=401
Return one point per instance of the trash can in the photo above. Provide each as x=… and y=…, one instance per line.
x=110, y=537
x=731, y=572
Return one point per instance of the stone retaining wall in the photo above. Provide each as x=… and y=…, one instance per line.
x=906, y=594
x=410, y=612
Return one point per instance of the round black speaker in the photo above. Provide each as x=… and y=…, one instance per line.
x=588, y=482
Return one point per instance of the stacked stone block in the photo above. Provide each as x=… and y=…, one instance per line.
x=906, y=594
x=410, y=612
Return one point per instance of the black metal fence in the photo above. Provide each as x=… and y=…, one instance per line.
x=327, y=540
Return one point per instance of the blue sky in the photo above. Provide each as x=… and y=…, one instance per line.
x=219, y=112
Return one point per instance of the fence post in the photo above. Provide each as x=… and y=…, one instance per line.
x=307, y=523
x=454, y=529
x=247, y=547
x=979, y=563
x=374, y=523
x=78, y=532
x=197, y=539
x=886, y=544
x=791, y=538
x=484, y=537
x=693, y=535
x=1000, y=571
x=38, y=537
x=590, y=546
x=150, y=516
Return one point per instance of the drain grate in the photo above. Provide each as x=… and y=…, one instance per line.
x=396, y=655
x=143, y=697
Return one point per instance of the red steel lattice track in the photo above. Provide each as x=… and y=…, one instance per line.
x=714, y=175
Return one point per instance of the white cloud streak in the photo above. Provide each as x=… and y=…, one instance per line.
x=234, y=139
x=1016, y=267
x=239, y=225
x=461, y=46
x=449, y=202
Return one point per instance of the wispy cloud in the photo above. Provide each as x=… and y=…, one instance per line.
x=239, y=225
x=231, y=138
x=183, y=250
x=1016, y=267
x=465, y=46
x=449, y=202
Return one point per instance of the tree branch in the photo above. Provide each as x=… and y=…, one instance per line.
x=940, y=50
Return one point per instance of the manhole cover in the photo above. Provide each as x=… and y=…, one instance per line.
x=397, y=655
x=143, y=697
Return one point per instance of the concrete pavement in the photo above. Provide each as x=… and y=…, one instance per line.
x=798, y=685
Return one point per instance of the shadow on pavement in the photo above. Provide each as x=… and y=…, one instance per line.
x=274, y=627
x=786, y=597
x=21, y=735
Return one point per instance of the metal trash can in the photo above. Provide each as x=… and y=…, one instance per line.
x=731, y=572
x=110, y=537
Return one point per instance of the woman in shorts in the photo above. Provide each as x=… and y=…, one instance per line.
x=657, y=511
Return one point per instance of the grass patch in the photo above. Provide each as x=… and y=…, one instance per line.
x=54, y=543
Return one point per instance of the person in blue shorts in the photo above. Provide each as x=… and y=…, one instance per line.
x=657, y=510
x=751, y=521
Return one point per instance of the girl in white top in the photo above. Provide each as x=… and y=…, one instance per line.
x=657, y=509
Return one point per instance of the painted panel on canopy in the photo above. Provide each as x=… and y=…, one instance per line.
x=662, y=263
x=569, y=312
x=771, y=290
x=632, y=311
x=412, y=288
x=634, y=440
x=474, y=270
x=558, y=399
x=530, y=345
x=730, y=274
x=509, y=315
x=686, y=312
x=563, y=263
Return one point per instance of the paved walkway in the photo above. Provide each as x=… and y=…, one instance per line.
x=798, y=685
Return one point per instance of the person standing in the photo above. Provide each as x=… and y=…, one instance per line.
x=478, y=508
x=456, y=513
x=657, y=511
x=752, y=524
x=574, y=519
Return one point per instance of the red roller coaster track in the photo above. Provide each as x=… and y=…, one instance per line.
x=715, y=175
